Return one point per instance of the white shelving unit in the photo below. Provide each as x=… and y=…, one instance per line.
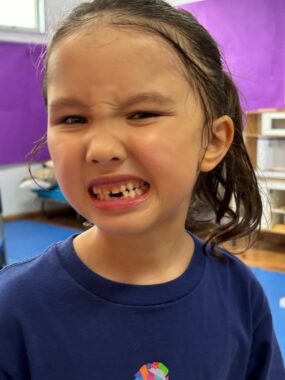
x=265, y=140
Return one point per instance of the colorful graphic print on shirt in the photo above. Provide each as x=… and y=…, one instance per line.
x=152, y=371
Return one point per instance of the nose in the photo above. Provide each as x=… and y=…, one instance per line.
x=104, y=148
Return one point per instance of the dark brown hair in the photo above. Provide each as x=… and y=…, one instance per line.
x=229, y=193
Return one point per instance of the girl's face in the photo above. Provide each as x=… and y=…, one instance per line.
x=123, y=119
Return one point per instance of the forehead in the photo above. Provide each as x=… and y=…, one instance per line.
x=124, y=54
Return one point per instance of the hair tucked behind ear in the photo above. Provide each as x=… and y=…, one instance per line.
x=230, y=191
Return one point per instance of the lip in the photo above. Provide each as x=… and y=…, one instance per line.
x=121, y=204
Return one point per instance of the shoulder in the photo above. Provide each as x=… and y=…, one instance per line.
x=239, y=282
x=234, y=267
x=20, y=281
x=227, y=275
x=222, y=261
x=18, y=270
x=226, y=262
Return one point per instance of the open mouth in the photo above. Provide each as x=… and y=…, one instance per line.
x=129, y=190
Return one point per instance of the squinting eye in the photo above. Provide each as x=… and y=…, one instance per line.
x=143, y=115
x=74, y=119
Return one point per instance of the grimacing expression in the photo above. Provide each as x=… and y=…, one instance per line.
x=119, y=104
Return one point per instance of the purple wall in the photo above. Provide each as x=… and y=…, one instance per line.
x=251, y=34
x=22, y=114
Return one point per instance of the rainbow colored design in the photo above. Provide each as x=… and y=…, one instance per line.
x=153, y=371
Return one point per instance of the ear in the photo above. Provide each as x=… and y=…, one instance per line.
x=221, y=138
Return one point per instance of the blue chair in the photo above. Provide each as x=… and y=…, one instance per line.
x=53, y=194
x=50, y=195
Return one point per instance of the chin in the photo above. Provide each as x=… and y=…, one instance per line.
x=120, y=227
x=122, y=230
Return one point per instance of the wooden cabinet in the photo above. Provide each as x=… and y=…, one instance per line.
x=264, y=136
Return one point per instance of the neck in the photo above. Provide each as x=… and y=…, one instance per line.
x=141, y=260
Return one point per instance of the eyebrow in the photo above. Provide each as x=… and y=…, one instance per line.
x=150, y=97
x=65, y=102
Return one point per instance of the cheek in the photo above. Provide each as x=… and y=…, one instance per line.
x=63, y=155
x=168, y=153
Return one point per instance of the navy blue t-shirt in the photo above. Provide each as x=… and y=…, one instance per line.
x=61, y=321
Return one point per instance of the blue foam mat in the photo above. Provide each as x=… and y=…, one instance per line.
x=26, y=239
x=273, y=284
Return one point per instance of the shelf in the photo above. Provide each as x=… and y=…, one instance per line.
x=264, y=137
x=276, y=231
x=279, y=211
x=277, y=176
x=269, y=123
x=262, y=110
x=250, y=135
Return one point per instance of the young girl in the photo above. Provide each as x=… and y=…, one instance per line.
x=144, y=127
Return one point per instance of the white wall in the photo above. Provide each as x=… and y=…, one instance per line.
x=16, y=201
x=54, y=11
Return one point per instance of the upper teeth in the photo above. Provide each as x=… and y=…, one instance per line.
x=130, y=189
